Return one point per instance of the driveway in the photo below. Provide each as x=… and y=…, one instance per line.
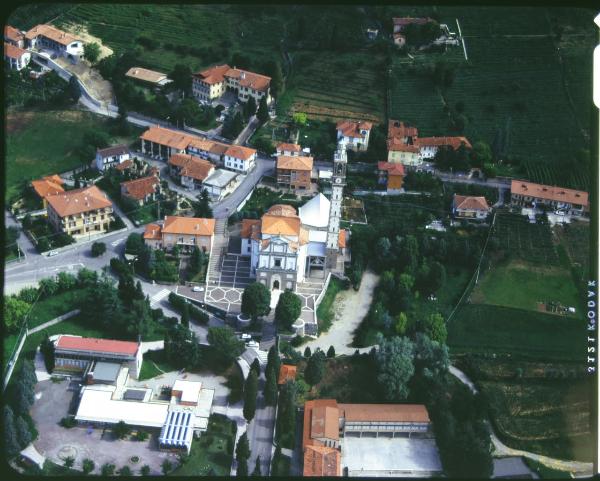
x=350, y=308
x=260, y=431
x=56, y=443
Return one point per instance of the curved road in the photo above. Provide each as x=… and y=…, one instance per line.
x=578, y=468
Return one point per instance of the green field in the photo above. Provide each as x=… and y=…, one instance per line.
x=325, y=311
x=45, y=143
x=154, y=364
x=513, y=82
x=212, y=454
x=525, y=334
x=522, y=285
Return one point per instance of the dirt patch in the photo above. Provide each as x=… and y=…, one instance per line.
x=17, y=122
x=82, y=32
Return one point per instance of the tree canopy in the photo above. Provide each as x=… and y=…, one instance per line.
x=255, y=300
x=289, y=307
x=395, y=366
x=225, y=343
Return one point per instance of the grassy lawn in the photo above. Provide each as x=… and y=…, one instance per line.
x=54, y=306
x=524, y=334
x=213, y=453
x=263, y=198
x=521, y=284
x=155, y=364
x=44, y=143
x=325, y=311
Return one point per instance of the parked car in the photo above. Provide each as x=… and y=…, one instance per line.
x=559, y=212
x=253, y=344
x=198, y=289
x=52, y=253
x=245, y=337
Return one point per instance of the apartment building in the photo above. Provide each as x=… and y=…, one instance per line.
x=79, y=212
x=185, y=232
x=294, y=172
x=529, y=194
x=212, y=83
x=111, y=156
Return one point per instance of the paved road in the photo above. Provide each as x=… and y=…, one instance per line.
x=260, y=431
x=247, y=132
x=500, y=449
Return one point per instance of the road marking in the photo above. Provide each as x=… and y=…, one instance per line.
x=159, y=296
x=117, y=242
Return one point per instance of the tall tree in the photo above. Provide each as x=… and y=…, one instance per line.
x=225, y=343
x=181, y=75
x=255, y=300
x=250, y=393
x=256, y=471
x=11, y=441
x=286, y=416
x=271, y=387
x=263, y=111
x=288, y=309
x=202, y=208
x=242, y=453
x=395, y=366
x=315, y=368
x=91, y=52
x=15, y=311
x=255, y=366
x=435, y=328
x=23, y=434
x=249, y=108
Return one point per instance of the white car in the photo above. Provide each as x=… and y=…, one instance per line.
x=52, y=253
x=559, y=212
x=198, y=289
x=245, y=337
x=252, y=344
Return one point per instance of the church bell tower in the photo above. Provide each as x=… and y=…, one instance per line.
x=340, y=162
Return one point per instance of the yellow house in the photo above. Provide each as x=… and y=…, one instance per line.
x=80, y=211
x=185, y=232
x=404, y=154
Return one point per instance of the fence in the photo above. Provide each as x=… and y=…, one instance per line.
x=243, y=202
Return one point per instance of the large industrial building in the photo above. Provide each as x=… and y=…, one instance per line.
x=381, y=440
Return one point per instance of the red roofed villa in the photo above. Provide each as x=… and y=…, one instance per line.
x=470, y=207
x=354, y=133
x=185, y=232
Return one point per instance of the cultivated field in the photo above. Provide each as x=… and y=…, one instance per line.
x=522, y=284
x=44, y=143
x=521, y=333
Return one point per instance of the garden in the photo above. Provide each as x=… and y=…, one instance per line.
x=212, y=454
x=261, y=200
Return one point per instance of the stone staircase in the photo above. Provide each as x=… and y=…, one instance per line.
x=219, y=248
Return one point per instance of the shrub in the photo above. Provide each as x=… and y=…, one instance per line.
x=68, y=422
x=98, y=248
x=88, y=466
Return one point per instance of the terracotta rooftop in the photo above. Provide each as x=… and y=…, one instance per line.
x=12, y=33
x=119, y=149
x=75, y=343
x=287, y=372
x=391, y=168
x=53, y=33
x=322, y=461
x=201, y=144
x=294, y=162
x=547, y=192
x=288, y=147
x=352, y=128
x=308, y=408
x=248, y=229
x=213, y=75
x=13, y=51
x=454, y=142
x=170, y=138
x=50, y=185
x=139, y=189
x=189, y=225
x=146, y=75
x=124, y=165
x=470, y=202
x=281, y=219
x=397, y=145
x=239, y=152
x=78, y=201
x=219, y=73
x=153, y=232
x=397, y=129
x=325, y=422
x=384, y=412
x=404, y=21
x=191, y=166
x=343, y=238
x=248, y=79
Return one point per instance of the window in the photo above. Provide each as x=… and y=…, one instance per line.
x=277, y=262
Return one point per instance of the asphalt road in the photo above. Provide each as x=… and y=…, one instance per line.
x=260, y=431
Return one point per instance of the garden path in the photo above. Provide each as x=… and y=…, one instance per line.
x=350, y=308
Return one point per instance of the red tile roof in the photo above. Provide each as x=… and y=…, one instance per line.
x=308, y=409
x=13, y=34
x=397, y=129
x=391, y=168
x=343, y=237
x=153, y=232
x=75, y=343
x=248, y=79
x=352, y=128
x=53, y=33
x=287, y=372
x=192, y=166
x=188, y=225
x=139, y=189
x=470, y=202
x=170, y=138
x=454, y=142
x=322, y=461
x=404, y=21
x=288, y=147
x=384, y=412
x=13, y=51
x=248, y=228
x=239, y=152
x=213, y=75
x=124, y=165
x=547, y=192
x=397, y=145
x=78, y=201
x=290, y=162
x=50, y=185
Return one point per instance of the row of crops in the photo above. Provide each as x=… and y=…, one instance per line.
x=531, y=242
x=561, y=175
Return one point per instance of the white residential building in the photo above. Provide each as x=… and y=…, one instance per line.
x=239, y=159
x=111, y=156
x=16, y=58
